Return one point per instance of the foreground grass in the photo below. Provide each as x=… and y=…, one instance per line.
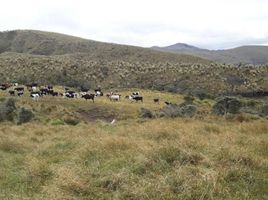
x=132, y=159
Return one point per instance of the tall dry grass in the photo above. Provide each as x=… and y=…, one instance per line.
x=209, y=158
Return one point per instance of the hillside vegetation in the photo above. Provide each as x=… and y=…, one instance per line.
x=70, y=150
x=51, y=58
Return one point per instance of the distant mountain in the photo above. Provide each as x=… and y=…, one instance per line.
x=178, y=46
x=243, y=54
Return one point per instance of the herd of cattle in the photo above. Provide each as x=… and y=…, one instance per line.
x=39, y=91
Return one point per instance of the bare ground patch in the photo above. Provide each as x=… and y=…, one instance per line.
x=98, y=113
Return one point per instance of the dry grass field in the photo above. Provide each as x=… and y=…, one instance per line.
x=183, y=158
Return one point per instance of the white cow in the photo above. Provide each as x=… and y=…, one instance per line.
x=35, y=97
x=115, y=97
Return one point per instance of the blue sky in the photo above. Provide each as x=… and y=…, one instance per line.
x=213, y=24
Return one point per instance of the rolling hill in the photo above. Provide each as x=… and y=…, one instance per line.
x=243, y=54
x=52, y=58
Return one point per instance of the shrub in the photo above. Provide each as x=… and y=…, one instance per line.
x=24, y=115
x=146, y=113
x=188, y=99
x=71, y=121
x=226, y=105
x=188, y=111
x=173, y=111
x=7, y=110
x=264, y=110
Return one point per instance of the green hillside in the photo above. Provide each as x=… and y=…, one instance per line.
x=51, y=58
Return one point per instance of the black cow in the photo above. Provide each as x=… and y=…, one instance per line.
x=50, y=87
x=168, y=103
x=43, y=91
x=4, y=86
x=19, y=89
x=156, y=100
x=54, y=93
x=20, y=93
x=98, y=92
x=89, y=96
x=137, y=98
x=11, y=92
x=135, y=93
x=69, y=95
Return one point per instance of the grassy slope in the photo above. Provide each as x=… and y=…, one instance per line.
x=132, y=159
x=51, y=44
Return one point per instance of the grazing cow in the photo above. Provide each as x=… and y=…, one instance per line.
x=115, y=97
x=70, y=94
x=156, y=100
x=98, y=92
x=35, y=95
x=54, y=94
x=135, y=93
x=5, y=86
x=137, y=98
x=19, y=89
x=88, y=96
x=50, y=87
x=32, y=87
x=11, y=92
x=20, y=93
x=43, y=91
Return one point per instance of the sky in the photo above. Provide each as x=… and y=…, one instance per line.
x=212, y=24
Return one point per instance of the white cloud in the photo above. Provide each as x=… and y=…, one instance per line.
x=207, y=23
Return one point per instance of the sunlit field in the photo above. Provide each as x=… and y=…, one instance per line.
x=71, y=150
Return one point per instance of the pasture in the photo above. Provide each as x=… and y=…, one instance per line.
x=53, y=157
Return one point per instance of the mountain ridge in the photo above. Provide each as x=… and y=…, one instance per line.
x=246, y=54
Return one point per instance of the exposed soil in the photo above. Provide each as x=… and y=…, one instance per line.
x=98, y=113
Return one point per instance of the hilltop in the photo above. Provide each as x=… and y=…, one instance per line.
x=244, y=54
x=52, y=44
x=52, y=58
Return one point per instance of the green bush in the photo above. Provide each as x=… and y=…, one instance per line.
x=24, y=115
x=264, y=110
x=7, y=110
x=226, y=105
x=71, y=121
x=146, y=113
x=188, y=99
x=171, y=110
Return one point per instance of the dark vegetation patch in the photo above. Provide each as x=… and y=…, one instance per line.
x=98, y=113
x=226, y=105
x=9, y=112
x=185, y=109
x=71, y=120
